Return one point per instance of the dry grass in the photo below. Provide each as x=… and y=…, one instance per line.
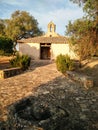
x=91, y=69
x=4, y=62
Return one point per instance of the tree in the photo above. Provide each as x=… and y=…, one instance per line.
x=2, y=27
x=90, y=7
x=22, y=25
x=84, y=31
x=6, y=46
x=82, y=35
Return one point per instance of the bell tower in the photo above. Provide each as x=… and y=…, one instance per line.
x=51, y=27
x=51, y=30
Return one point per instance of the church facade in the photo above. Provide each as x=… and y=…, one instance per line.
x=48, y=46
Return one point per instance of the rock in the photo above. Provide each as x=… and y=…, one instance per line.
x=40, y=111
x=88, y=82
x=85, y=80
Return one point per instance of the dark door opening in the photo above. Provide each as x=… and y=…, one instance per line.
x=45, y=52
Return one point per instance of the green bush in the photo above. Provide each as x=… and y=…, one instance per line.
x=6, y=46
x=2, y=52
x=64, y=63
x=22, y=61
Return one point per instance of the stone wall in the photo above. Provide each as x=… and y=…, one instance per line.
x=10, y=72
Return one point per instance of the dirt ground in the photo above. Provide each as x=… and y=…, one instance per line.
x=42, y=78
x=90, y=67
x=4, y=62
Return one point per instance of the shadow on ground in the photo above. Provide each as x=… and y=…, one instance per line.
x=4, y=64
x=38, y=63
x=59, y=104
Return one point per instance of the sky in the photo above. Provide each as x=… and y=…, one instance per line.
x=58, y=11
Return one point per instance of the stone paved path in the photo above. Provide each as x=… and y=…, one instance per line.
x=20, y=86
x=45, y=75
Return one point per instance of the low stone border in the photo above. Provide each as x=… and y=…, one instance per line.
x=87, y=81
x=10, y=72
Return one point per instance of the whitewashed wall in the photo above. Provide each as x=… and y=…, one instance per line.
x=64, y=49
x=33, y=50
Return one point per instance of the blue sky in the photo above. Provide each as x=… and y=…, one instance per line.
x=58, y=11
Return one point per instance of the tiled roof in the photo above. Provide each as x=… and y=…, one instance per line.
x=42, y=39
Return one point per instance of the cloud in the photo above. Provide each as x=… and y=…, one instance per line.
x=8, y=7
x=60, y=17
x=4, y=10
x=58, y=11
x=11, y=2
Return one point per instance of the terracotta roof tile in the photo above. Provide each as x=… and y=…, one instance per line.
x=42, y=39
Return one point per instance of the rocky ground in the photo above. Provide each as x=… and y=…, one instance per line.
x=44, y=99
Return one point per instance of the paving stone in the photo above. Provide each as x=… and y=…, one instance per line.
x=44, y=82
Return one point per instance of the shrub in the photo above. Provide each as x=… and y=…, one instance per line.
x=64, y=63
x=2, y=52
x=6, y=46
x=22, y=61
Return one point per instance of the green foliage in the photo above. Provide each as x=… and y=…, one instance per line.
x=64, y=63
x=6, y=46
x=22, y=61
x=89, y=6
x=2, y=27
x=22, y=25
x=84, y=32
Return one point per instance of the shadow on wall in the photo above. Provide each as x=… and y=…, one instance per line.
x=30, y=50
